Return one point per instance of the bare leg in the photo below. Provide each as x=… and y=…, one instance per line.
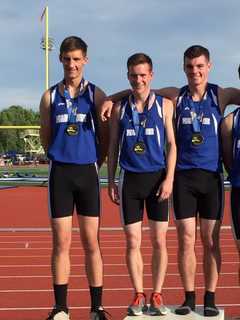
x=89, y=229
x=133, y=254
x=210, y=230
x=61, y=232
x=186, y=229
x=159, y=256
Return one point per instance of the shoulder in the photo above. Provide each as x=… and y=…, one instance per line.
x=168, y=107
x=169, y=92
x=228, y=96
x=98, y=95
x=45, y=100
x=227, y=121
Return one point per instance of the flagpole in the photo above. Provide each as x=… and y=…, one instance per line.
x=46, y=49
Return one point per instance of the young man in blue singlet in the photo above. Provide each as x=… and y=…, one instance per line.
x=198, y=188
x=140, y=125
x=76, y=143
x=230, y=129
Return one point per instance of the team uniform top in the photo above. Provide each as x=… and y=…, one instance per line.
x=147, y=129
x=235, y=171
x=81, y=148
x=205, y=155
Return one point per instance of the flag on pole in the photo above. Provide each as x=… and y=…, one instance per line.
x=43, y=14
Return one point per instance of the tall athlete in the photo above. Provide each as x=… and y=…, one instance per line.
x=75, y=141
x=140, y=125
x=230, y=129
x=197, y=185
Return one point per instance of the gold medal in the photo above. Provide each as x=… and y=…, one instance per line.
x=72, y=129
x=139, y=148
x=197, y=139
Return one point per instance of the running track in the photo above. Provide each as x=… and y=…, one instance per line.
x=25, y=290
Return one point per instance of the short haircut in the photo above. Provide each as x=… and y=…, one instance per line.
x=195, y=52
x=73, y=43
x=139, y=58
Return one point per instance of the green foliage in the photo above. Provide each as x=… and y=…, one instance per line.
x=15, y=115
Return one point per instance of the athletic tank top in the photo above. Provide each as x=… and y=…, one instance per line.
x=235, y=171
x=80, y=148
x=152, y=136
x=205, y=155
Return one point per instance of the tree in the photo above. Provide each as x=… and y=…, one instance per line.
x=15, y=115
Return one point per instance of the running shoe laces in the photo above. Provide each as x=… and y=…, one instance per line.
x=156, y=299
x=139, y=299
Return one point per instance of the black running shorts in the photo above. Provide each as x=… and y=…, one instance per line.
x=198, y=191
x=72, y=185
x=135, y=189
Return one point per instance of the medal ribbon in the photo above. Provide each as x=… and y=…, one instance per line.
x=140, y=120
x=72, y=111
x=196, y=115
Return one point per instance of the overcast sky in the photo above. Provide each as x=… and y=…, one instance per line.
x=115, y=29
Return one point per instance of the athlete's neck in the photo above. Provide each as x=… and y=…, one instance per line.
x=140, y=99
x=197, y=92
x=73, y=85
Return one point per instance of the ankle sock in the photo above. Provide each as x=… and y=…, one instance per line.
x=96, y=297
x=60, y=294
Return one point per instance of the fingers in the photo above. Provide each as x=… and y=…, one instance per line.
x=103, y=117
x=162, y=195
x=113, y=193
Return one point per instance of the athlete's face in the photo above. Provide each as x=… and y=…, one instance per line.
x=73, y=63
x=197, y=70
x=140, y=77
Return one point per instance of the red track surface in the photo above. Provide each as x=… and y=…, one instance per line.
x=25, y=290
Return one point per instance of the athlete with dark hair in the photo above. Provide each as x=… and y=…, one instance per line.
x=76, y=143
x=198, y=188
x=141, y=124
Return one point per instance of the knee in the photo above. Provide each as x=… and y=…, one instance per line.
x=133, y=242
x=90, y=244
x=210, y=243
x=159, y=243
x=61, y=245
x=186, y=241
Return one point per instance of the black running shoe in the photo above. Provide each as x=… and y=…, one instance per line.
x=184, y=309
x=211, y=311
x=99, y=314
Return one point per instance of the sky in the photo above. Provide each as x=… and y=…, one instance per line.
x=114, y=30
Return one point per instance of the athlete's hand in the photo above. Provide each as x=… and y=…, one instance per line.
x=164, y=190
x=113, y=193
x=106, y=109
